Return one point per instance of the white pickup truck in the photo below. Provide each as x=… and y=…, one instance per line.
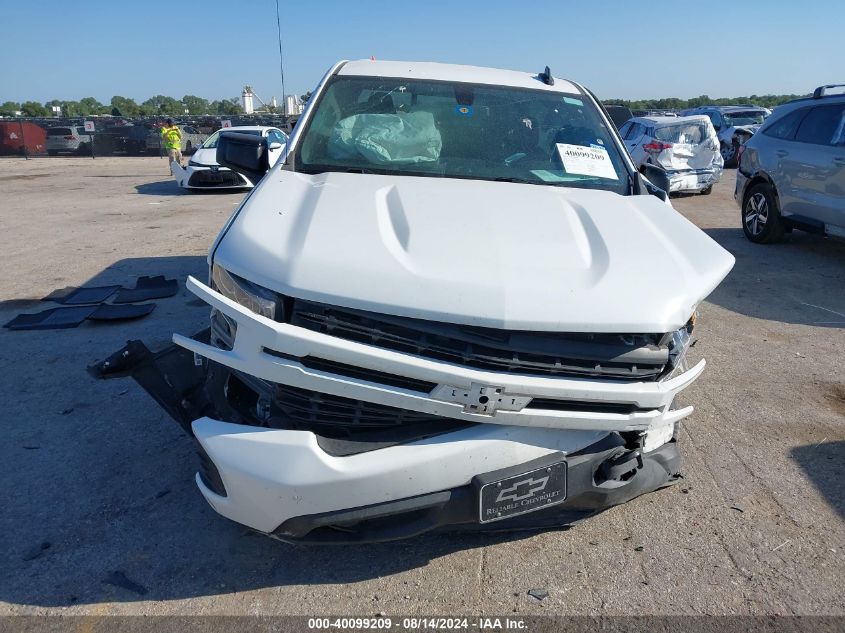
x=452, y=303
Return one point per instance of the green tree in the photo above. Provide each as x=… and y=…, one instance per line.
x=89, y=105
x=226, y=106
x=304, y=98
x=9, y=108
x=33, y=108
x=124, y=106
x=195, y=105
x=160, y=104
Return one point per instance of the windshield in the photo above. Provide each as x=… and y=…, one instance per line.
x=211, y=141
x=752, y=117
x=460, y=130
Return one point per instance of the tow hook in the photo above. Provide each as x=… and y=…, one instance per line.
x=621, y=467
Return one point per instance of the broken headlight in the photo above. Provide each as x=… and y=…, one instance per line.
x=249, y=295
x=679, y=343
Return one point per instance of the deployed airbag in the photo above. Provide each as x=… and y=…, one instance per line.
x=387, y=138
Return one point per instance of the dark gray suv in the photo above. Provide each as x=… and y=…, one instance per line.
x=792, y=171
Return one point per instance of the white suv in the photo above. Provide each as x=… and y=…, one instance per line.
x=452, y=302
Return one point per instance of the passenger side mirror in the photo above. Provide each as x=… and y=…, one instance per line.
x=275, y=145
x=243, y=153
x=658, y=177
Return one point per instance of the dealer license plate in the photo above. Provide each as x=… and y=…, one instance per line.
x=519, y=494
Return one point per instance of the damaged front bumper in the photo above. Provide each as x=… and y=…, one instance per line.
x=588, y=445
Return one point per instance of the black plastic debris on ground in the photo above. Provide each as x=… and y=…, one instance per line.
x=171, y=376
x=52, y=319
x=81, y=296
x=107, y=312
x=147, y=288
x=70, y=317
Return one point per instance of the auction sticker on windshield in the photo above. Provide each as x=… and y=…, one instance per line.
x=586, y=161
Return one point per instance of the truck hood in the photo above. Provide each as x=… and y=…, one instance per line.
x=494, y=254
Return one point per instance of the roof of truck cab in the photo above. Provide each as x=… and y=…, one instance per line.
x=454, y=72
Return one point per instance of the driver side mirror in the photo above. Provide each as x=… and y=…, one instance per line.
x=243, y=153
x=657, y=177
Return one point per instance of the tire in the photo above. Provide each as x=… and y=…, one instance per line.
x=83, y=149
x=706, y=191
x=761, y=219
x=728, y=153
x=52, y=152
x=188, y=147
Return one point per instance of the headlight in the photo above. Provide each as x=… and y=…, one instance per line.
x=249, y=295
x=678, y=346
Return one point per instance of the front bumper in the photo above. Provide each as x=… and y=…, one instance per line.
x=269, y=350
x=193, y=177
x=693, y=180
x=281, y=482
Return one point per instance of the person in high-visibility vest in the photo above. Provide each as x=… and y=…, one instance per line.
x=172, y=137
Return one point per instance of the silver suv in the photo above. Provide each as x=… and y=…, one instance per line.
x=792, y=171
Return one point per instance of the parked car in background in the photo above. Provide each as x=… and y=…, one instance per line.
x=792, y=172
x=686, y=147
x=734, y=126
x=68, y=140
x=455, y=302
x=203, y=171
x=192, y=138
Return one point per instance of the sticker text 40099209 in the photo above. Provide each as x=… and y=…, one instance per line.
x=586, y=161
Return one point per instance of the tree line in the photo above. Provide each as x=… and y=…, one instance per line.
x=124, y=106
x=673, y=103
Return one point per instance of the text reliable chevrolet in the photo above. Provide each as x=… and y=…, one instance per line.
x=452, y=303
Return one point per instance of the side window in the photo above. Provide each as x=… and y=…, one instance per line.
x=189, y=130
x=623, y=131
x=635, y=132
x=821, y=125
x=785, y=127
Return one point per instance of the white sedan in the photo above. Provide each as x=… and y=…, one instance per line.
x=203, y=172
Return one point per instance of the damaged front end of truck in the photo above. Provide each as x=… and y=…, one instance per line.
x=453, y=304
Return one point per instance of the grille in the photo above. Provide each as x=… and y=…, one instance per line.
x=635, y=357
x=311, y=409
x=222, y=178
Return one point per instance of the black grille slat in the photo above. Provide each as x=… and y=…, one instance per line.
x=307, y=409
x=533, y=353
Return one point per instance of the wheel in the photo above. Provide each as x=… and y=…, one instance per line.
x=706, y=191
x=761, y=219
x=83, y=149
x=728, y=154
x=52, y=152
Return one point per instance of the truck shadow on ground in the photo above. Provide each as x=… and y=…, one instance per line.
x=794, y=281
x=823, y=465
x=105, y=507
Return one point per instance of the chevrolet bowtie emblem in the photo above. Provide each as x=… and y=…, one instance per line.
x=522, y=489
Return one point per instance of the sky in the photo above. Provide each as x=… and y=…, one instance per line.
x=69, y=49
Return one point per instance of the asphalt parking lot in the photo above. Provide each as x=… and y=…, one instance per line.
x=101, y=515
